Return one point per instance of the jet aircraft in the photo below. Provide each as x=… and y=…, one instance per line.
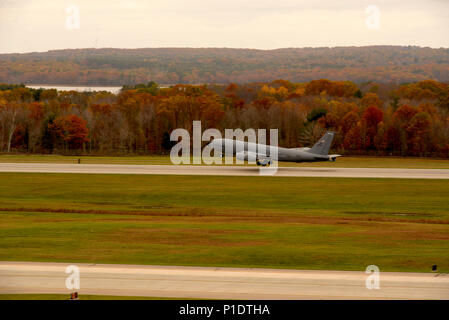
x=264, y=155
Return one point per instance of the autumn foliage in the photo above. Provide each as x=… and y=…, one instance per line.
x=109, y=66
x=71, y=129
x=371, y=118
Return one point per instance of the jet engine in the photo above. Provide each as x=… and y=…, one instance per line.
x=263, y=162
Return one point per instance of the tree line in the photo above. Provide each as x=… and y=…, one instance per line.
x=369, y=119
x=109, y=66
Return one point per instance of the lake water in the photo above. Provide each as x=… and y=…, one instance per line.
x=114, y=90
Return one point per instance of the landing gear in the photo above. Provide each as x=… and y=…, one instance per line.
x=263, y=162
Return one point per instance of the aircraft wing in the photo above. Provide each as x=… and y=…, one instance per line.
x=252, y=156
x=300, y=149
x=246, y=155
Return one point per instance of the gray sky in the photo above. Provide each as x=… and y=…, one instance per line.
x=40, y=25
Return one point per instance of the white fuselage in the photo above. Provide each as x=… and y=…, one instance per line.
x=256, y=151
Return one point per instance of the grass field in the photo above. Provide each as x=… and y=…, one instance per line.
x=349, y=162
x=281, y=222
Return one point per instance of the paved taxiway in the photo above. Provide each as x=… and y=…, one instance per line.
x=219, y=283
x=227, y=170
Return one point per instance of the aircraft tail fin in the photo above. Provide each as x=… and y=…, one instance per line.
x=323, y=145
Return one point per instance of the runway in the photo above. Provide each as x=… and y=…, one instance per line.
x=227, y=170
x=219, y=283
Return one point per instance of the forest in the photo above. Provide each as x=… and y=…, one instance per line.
x=369, y=119
x=108, y=66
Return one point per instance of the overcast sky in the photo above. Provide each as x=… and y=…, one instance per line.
x=40, y=25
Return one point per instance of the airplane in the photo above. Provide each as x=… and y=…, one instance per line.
x=260, y=153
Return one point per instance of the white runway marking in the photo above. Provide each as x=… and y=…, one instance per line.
x=225, y=170
x=219, y=283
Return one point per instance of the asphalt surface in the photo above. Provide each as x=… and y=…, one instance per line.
x=219, y=283
x=227, y=170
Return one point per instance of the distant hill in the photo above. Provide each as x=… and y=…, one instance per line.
x=109, y=66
